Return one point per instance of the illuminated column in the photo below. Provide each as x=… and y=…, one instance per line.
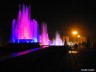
x=78, y=38
x=74, y=33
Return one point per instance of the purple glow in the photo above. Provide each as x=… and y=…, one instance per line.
x=24, y=52
x=44, y=40
x=24, y=29
x=58, y=41
x=2, y=58
x=45, y=46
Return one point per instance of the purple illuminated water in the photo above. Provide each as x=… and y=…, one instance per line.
x=44, y=40
x=24, y=29
x=58, y=41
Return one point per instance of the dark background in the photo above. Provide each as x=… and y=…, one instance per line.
x=62, y=16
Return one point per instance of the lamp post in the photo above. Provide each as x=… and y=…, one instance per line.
x=74, y=33
x=78, y=38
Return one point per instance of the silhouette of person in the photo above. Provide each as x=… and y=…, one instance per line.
x=75, y=46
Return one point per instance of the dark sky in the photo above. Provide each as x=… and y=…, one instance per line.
x=62, y=16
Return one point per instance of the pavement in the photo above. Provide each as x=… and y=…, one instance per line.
x=51, y=59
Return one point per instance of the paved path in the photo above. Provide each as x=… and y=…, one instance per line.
x=52, y=59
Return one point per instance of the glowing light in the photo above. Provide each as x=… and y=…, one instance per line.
x=16, y=54
x=72, y=52
x=24, y=52
x=70, y=43
x=44, y=38
x=58, y=41
x=45, y=46
x=78, y=36
x=74, y=32
x=24, y=29
x=69, y=52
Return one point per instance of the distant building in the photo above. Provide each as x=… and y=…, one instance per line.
x=83, y=39
x=67, y=38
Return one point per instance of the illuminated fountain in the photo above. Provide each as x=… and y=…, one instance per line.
x=58, y=41
x=44, y=39
x=24, y=30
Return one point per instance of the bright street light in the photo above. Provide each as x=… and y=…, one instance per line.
x=74, y=32
x=78, y=36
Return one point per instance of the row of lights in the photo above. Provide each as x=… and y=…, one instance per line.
x=75, y=33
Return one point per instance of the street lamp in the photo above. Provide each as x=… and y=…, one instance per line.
x=74, y=33
x=78, y=38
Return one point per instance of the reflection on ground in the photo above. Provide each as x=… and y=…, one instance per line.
x=72, y=51
x=15, y=54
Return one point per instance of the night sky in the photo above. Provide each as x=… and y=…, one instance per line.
x=59, y=16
